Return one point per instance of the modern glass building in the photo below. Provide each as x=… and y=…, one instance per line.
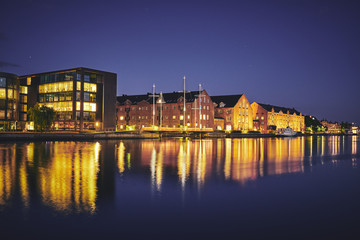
x=9, y=97
x=83, y=98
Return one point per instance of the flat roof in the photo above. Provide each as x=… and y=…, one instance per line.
x=67, y=70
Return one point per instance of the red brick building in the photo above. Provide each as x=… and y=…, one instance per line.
x=266, y=115
x=136, y=111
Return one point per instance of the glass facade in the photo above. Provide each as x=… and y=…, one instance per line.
x=9, y=95
x=66, y=92
x=77, y=96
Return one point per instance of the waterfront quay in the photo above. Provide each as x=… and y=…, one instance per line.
x=51, y=136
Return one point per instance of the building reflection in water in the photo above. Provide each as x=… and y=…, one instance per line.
x=65, y=174
x=71, y=176
x=69, y=179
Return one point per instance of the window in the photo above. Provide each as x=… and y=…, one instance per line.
x=2, y=82
x=174, y=117
x=86, y=97
x=78, y=77
x=23, y=90
x=2, y=93
x=86, y=78
x=23, y=99
x=56, y=87
x=89, y=87
x=23, y=107
x=2, y=114
x=78, y=86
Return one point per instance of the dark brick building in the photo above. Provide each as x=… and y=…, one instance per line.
x=136, y=111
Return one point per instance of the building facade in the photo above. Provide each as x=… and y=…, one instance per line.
x=9, y=101
x=83, y=98
x=235, y=110
x=266, y=115
x=331, y=127
x=165, y=110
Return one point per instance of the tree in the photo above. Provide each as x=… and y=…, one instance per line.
x=272, y=127
x=345, y=126
x=43, y=117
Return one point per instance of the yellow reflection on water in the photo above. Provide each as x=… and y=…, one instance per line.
x=354, y=145
x=7, y=173
x=156, y=169
x=24, y=185
x=227, y=165
x=69, y=179
x=184, y=163
x=121, y=157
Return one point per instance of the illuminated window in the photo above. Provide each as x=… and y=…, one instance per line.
x=59, y=106
x=78, y=86
x=89, y=87
x=28, y=81
x=10, y=93
x=56, y=87
x=86, y=107
x=23, y=90
x=2, y=93
x=174, y=117
x=24, y=108
x=188, y=116
x=181, y=117
x=93, y=107
x=23, y=99
x=77, y=106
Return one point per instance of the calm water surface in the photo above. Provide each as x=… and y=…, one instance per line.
x=304, y=187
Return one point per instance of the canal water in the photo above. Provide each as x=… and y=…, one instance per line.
x=285, y=188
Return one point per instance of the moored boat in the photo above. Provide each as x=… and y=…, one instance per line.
x=286, y=132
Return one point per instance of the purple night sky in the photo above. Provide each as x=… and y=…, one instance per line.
x=302, y=54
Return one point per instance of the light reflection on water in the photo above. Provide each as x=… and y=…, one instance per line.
x=69, y=176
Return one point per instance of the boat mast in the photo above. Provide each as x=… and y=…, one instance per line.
x=184, y=105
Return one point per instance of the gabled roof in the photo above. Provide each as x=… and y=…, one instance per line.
x=174, y=96
x=269, y=108
x=134, y=99
x=168, y=97
x=228, y=100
